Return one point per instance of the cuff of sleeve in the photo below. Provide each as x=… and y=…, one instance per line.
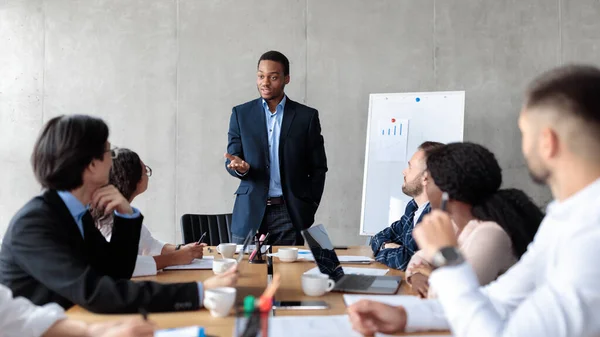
x=136, y=213
x=200, y=295
x=453, y=281
x=240, y=174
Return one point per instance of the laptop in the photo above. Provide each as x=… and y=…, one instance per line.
x=322, y=249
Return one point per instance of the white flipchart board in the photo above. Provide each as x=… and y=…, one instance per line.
x=398, y=123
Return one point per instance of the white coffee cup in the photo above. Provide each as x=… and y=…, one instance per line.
x=219, y=300
x=227, y=249
x=316, y=284
x=222, y=265
x=287, y=254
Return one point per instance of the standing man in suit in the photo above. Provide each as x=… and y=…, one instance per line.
x=53, y=252
x=276, y=149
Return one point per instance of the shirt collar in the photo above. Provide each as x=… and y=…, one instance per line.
x=76, y=208
x=582, y=197
x=280, y=105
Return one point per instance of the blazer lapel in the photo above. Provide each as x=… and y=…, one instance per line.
x=259, y=113
x=289, y=112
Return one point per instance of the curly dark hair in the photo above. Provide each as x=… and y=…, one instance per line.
x=126, y=172
x=470, y=173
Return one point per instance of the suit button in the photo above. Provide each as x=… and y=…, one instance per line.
x=267, y=166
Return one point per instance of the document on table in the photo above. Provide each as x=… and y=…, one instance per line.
x=250, y=248
x=394, y=300
x=190, y=331
x=204, y=263
x=316, y=326
x=355, y=271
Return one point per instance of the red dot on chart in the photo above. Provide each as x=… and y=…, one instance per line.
x=393, y=120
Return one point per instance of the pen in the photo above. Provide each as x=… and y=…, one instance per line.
x=265, y=238
x=144, y=313
x=262, y=237
x=201, y=237
x=251, y=329
x=444, y=201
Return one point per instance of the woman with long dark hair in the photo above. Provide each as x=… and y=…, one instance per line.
x=493, y=226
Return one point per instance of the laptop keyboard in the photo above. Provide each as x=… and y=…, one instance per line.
x=358, y=282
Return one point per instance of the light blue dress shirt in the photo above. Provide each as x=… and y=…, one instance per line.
x=273, y=132
x=77, y=210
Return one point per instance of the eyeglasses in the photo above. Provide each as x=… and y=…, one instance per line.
x=148, y=171
x=114, y=152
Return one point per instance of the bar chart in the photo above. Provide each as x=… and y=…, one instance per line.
x=393, y=130
x=392, y=140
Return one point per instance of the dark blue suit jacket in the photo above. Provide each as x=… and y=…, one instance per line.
x=302, y=164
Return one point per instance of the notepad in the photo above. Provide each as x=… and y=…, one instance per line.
x=204, y=263
x=355, y=271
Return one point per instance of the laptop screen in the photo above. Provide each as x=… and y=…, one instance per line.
x=322, y=249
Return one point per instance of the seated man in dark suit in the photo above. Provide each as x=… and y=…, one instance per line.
x=394, y=246
x=52, y=251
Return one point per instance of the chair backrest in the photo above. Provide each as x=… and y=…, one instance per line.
x=216, y=226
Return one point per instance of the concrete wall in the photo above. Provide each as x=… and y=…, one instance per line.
x=165, y=73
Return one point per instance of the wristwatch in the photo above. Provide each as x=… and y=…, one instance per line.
x=447, y=256
x=178, y=246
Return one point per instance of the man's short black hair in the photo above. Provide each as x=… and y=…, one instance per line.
x=572, y=90
x=429, y=147
x=65, y=147
x=278, y=57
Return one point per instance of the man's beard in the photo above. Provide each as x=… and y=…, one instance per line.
x=413, y=188
x=541, y=176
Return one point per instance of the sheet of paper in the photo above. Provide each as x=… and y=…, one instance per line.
x=350, y=258
x=395, y=300
x=190, y=331
x=391, y=140
x=204, y=263
x=313, y=326
x=355, y=271
x=250, y=248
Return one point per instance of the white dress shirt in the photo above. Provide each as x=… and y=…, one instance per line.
x=149, y=247
x=20, y=317
x=553, y=290
x=418, y=213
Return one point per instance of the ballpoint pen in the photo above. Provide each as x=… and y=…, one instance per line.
x=444, y=201
x=201, y=237
x=144, y=313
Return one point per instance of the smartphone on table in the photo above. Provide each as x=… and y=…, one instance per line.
x=300, y=305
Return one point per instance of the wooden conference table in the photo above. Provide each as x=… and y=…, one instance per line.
x=252, y=281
